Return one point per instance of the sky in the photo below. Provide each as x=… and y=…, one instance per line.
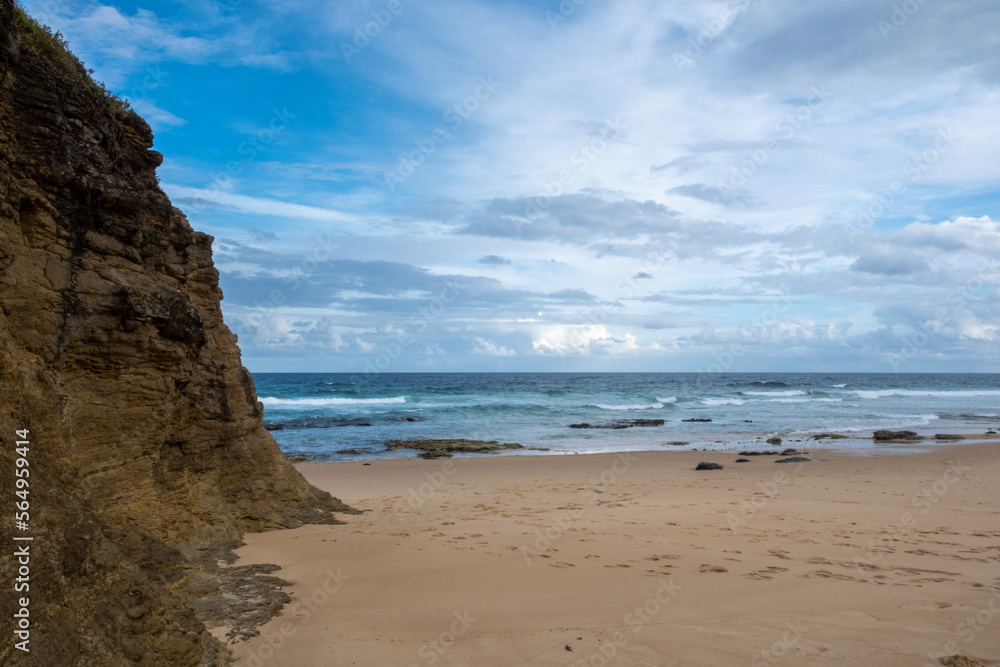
x=578, y=185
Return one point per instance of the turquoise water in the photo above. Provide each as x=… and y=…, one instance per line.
x=320, y=413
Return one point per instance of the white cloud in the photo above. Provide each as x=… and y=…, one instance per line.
x=158, y=118
x=255, y=205
x=491, y=349
x=581, y=339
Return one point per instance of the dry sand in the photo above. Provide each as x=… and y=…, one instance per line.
x=637, y=559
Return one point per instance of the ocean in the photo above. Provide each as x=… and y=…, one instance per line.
x=317, y=414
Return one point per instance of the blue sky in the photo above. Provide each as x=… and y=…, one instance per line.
x=456, y=185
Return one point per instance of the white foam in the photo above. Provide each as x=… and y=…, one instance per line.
x=644, y=406
x=328, y=402
x=716, y=402
x=669, y=399
x=791, y=392
x=882, y=393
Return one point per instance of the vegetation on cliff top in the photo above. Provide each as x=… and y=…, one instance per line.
x=53, y=47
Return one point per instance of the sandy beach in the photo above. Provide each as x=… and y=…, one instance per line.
x=638, y=559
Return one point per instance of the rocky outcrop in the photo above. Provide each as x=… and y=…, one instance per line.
x=621, y=423
x=436, y=449
x=147, y=457
x=895, y=435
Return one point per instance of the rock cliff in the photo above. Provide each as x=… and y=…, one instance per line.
x=147, y=457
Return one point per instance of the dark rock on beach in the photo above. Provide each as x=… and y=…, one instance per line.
x=895, y=435
x=829, y=436
x=708, y=466
x=949, y=436
x=434, y=449
x=774, y=441
x=742, y=460
x=793, y=459
x=620, y=423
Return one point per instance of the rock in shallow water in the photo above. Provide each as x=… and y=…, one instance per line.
x=434, y=449
x=895, y=435
x=620, y=423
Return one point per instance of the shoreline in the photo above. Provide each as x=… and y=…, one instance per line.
x=568, y=560
x=846, y=444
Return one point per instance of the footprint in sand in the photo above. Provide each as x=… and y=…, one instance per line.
x=819, y=560
x=712, y=568
x=562, y=563
x=826, y=574
x=766, y=573
x=778, y=553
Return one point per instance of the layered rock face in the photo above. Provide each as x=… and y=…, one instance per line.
x=147, y=456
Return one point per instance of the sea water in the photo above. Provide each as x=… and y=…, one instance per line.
x=318, y=414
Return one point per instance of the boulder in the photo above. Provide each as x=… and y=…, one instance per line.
x=708, y=466
x=895, y=435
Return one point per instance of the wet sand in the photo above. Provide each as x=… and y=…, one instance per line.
x=637, y=559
